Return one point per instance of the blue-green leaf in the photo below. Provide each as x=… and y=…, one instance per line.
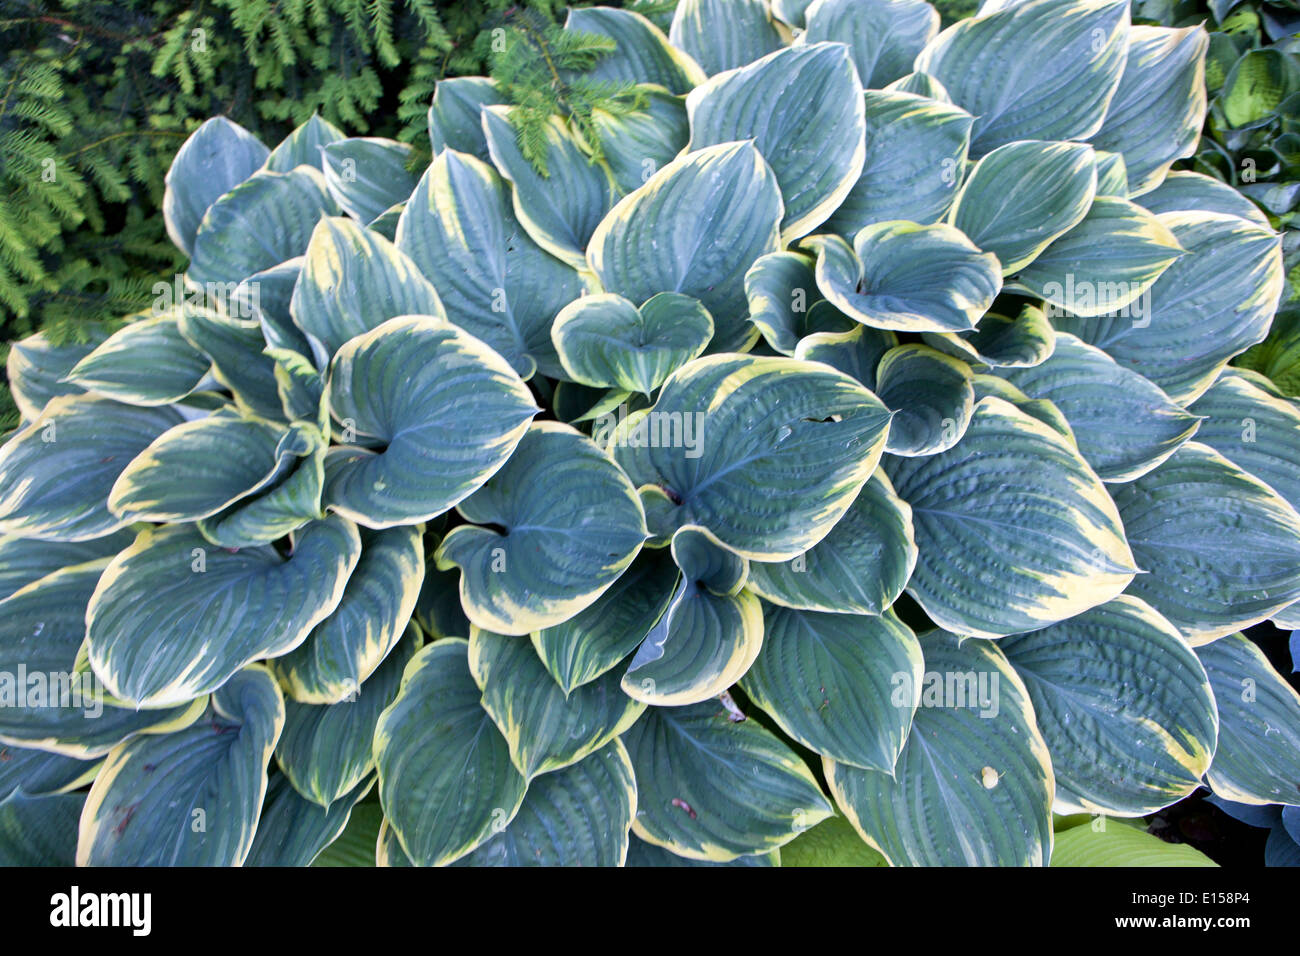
x=445, y=777
x=709, y=788
x=493, y=279
x=190, y=798
x=279, y=210
x=1022, y=196
x=578, y=816
x=973, y=785
x=915, y=153
x=327, y=750
x=446, y=410
x=366, y=175
x=173, y=618
x=783, y=102
x=1041, y=69
x=1124, y=705
x=724, y=34
x=642, y=54
x=1124, y=425
x=547, y=729
x=828, y=681
x=570, y=522
x=216, y=158
x=1159, y=107
x=1005, y=548
x=886, y=279
x=56, y=473
x=1258, y=760
x=45, y=700
x=777, y=458
x=1221, y=547
x=695, y=227
x=353, y=280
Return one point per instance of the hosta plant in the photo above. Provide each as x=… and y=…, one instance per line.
x=853, y=438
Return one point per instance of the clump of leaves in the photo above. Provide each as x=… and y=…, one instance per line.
x=854, y=437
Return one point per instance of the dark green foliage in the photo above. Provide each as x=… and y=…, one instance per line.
x=953, y=10
x=1252, y=133
x=1252, y=75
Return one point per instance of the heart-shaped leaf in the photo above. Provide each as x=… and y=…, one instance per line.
x=1022, y=196
x=327, y=750
x=1041, y=69
x=56, y=473
x=147, y=362
x=1258, y=758
x=367, y=174
x=916, y=150
x=724, y=34
x=430, y=741
x=884, y=35
x=546, y=728
x=1253, y=427
x=570, y=522
x=494, y=281
x=1210, y=305
x=1222, y=548
x=886, y=279
x=444, y=408
x=45, y=701
x=345, y=648
x=931, y=396
x=578, y=816
x=1124, y=705
x=860, y=567
x=709, y=635
x=709, y=788
x=456, y=112
x=561, y=205
x=353, y=281
x=280, y=209
x=641, y=54
x=216, y=158
x=973, y=785
x=695, y=227
x=776, y=459
x=1159, y=106
x=596, y=639
x=303, y=146
x=607, y=342
x=828, y=680
x=1114, y=255
x=1124, y=425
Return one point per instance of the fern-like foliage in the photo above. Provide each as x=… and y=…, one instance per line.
x=658, y=12
x=541, y=68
